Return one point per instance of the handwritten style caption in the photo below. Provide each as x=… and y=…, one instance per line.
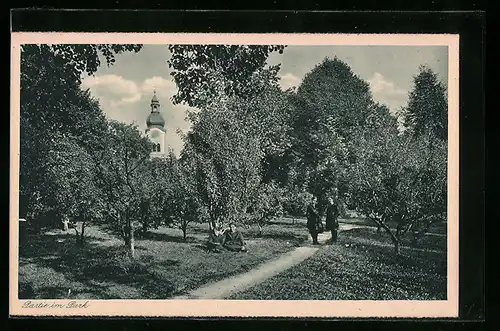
x=45, y=304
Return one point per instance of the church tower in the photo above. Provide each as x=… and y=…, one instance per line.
x=156, y=128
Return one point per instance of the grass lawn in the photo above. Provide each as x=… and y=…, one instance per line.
x=360, y=270
x=439, y=228
x=370, y=235
x=50, y=264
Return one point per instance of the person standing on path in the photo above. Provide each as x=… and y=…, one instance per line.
x=332, y=214
x=313, y=220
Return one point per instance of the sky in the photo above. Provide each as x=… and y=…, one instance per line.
x=125, y=89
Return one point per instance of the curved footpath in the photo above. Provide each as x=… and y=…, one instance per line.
x=226, y=287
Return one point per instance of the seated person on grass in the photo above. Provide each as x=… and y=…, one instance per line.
x=233, y=239
x=215, y=239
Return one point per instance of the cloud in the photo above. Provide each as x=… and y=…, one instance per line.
x=289, y=80
x=379, y=84
x=386, y=92
x=115, y=87
x=164, y=88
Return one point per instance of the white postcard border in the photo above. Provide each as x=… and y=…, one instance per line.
x=240, y=308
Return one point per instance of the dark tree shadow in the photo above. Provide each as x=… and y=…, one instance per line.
x=198, y=230
x=426, y=242
x=91, y=264
x=25, y=291
x=286, y=236
x=203, y=247
x=299, y=223
x=155, y=236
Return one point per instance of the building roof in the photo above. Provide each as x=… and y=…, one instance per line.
x=155, y=119
x=155, y=100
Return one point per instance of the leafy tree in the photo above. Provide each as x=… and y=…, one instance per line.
x=297, y=195
x=331, y=99
x=330, y=173
x=225, y=159
x=151, y=202
x=398, y=182
x=427, y=109
x=157, y=204
x=266, y=204
x=184, y=202
x=197, y=70
x=71, y=179
x=237, y=92
x=83, y=58
x=121, y=168
x=52, y=103
x=268, y=116
x=296, y=202
x=332, y=105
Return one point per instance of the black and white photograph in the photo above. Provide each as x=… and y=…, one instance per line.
x=278, y=171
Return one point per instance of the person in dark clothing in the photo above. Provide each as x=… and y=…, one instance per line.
x=215, y=239
x=233, y=239
x=313, y=220
x=332, y=223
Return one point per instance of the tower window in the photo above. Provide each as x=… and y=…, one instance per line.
x=158, y=147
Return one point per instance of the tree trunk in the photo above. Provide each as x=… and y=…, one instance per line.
x=427, y=227
x=414, y=238
x=396, y=247
x=394, y=239
x=128, y=234
x=212, y=224
x=184, y=229
x=77, y=233
x=83, y=231
x=129, y=242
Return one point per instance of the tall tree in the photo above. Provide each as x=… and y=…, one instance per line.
x=332, y=105
x=86, y=58
x=331, y=96
x=398, y=182
x=72, y=184
x=267, y=203
x=156, y=207
x=184, y=203
x=427, y=109
x=240, y=136
x=198, y=69
x=52, y=103
x=267, y=116
x=121, y=168
x=225, y=158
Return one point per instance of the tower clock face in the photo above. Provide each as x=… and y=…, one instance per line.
x=155, y=134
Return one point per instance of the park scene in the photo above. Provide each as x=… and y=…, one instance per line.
x=238, y=172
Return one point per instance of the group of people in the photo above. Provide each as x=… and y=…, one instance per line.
x=229, y=238
x=314, y=223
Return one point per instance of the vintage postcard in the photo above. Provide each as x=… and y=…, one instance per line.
x=234, y=175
